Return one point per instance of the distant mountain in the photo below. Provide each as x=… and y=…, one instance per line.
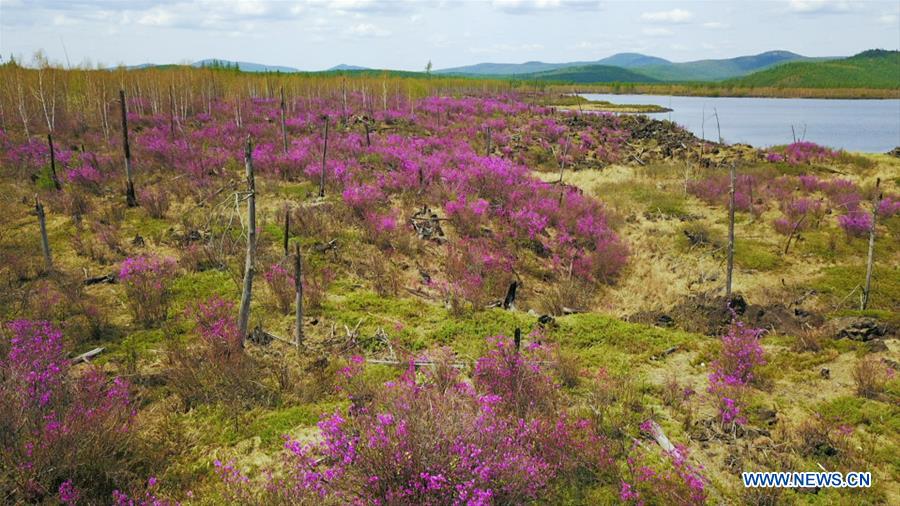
x=589, y=74
x=632, y=60
x=344, y=66
x=505, y=69
x=876, y=68
x=654, y=68
x=716, y=70
x=243, y=65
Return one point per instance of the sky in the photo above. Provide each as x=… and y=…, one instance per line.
x=406, y=34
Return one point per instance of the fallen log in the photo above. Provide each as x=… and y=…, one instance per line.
x=86, y=356
x=106, y=278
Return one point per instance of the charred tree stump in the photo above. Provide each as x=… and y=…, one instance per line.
x=324, y=157
x=870, y=261
x=250, y=260
x=130, y=197
x=287, y=229
x=730, y=268
x=510, y=301
x=284, y=140
x=298, y=298
x=53, y=175
x=45, y=242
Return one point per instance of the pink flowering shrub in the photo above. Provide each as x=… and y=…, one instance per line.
x=803, y=152
x=281, y=284
x=59, y=435
x=855, y=224
x=676, y=482
x=155, y=200
x=433, y=438
x=733, y=370
x=146, y=280
x=478, y=272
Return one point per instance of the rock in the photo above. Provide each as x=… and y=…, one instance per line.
x=895, y=152
x=858, y=328
x=876, y=346
x=546, y=320
x=665, y=320
x=825, y=373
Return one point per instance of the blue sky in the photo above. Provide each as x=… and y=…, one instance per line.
x=405, y=34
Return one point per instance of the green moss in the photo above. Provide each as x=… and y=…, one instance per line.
x=198, y=286
x=837, y=282
x=296, y=191
x=670, y=204
x=755, y=255
x=878, y=417
x=829, y=243
x=592, y=333
x=270, y=426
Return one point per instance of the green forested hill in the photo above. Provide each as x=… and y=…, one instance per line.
x=870, y=69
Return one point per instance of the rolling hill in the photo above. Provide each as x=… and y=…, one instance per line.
x=652, y=67
x=875, y=68
x=244, y=66
x=589, y=74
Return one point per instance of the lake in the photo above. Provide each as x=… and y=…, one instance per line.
x=871, y=126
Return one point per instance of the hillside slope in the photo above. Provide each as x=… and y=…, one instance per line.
x=590, y=74
x=870, y=69
x=714, y=70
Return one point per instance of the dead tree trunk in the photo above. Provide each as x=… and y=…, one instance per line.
x=487, y=151
x=287, y=229
x=324, y=157
x=45, y=242
x=250, y=260
x=870, y=262
x=53, y=175
x=298, y=298
x=130, y=198
x=366, y=125
x=284, y=143
x=728, y=275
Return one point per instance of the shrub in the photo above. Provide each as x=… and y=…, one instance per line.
x=155, y=201
x=676, y=482
x=870, y=377
x=59, y=435
x=733, y=370
x=146, y=280
x=855, y=224
x=281, y=285
x=435, y=439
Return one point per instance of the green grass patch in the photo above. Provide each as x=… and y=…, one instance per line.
x=878, y=417
x=837, y=282
x=755, y=255
x=198, y=286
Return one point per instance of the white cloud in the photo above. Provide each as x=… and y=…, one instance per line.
x=715, y=25
x=527, y=6
x=367, y=30
x=505, y=48
x=820, y=6
x=657, y=32
x=156, y=17
x=888, y=19
x=671, y=16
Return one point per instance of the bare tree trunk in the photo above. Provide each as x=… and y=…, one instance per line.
x=45, y=242
x=324, y=157
x=368, y=140
x=487, y=151
x=287, y=229
x=284, y=141
x=298, y=298
x=729, y=273
x=130, y=198
x=53, y=175
x=870, y=262
x=250, y=260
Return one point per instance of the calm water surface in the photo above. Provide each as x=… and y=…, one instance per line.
x=855, y=125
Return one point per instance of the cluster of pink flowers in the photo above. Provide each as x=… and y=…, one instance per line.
x=434, y=438
x=60, y=431
x=146, y=280
x=678, y=483
x=734, y=369
x=802, y=152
